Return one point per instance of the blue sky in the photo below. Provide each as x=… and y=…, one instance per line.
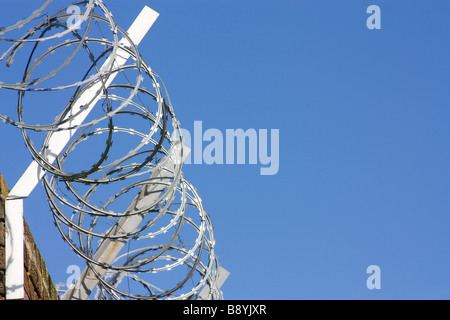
x=364, y=141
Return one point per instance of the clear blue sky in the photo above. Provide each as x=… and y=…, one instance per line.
x=364, y=175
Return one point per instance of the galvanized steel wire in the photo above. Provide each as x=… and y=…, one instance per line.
x=135, y=136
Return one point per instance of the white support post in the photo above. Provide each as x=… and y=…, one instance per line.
x=14, y=249
x=57, y=142
x=222, y=276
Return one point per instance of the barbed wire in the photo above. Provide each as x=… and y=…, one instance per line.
x=133, y=192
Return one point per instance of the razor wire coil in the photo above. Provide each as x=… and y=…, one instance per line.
x=137, y=139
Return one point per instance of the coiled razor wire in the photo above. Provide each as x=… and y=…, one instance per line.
x=124, y=162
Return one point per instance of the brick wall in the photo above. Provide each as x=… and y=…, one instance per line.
x=38, y=283
x=3, y=193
